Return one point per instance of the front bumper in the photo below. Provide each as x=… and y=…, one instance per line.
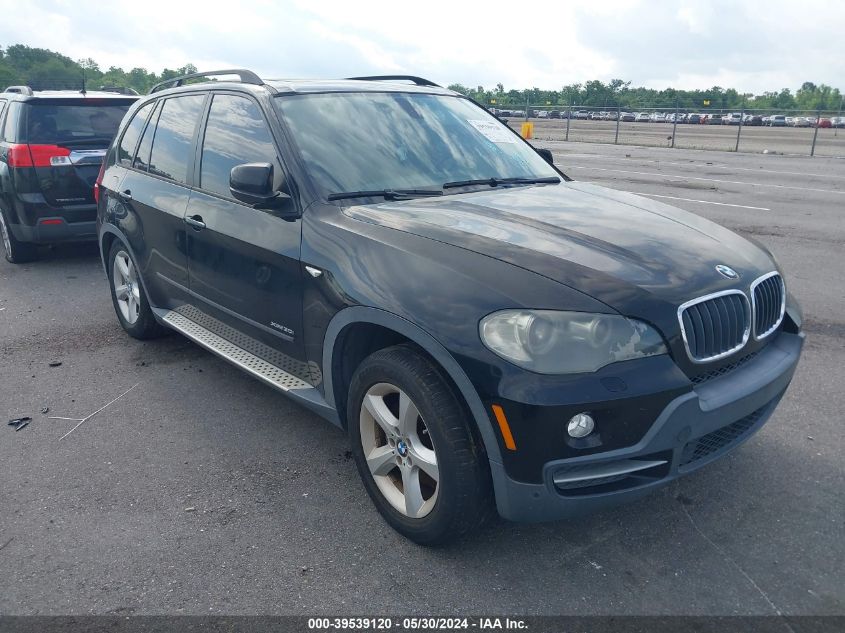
x=693, y=430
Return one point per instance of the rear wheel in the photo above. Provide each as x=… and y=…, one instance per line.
x=15, y=252
x=414, y=448
x=128, y=296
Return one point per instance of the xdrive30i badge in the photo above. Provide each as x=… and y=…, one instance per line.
x=727, y=271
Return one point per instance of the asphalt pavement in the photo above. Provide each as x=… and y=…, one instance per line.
x=202, y=491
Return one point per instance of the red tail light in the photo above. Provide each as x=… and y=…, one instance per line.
x=99, y=182
x=21, y=155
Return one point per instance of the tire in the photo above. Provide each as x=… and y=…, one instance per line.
x=434, y=512
x=15, y=252
x=131, y=306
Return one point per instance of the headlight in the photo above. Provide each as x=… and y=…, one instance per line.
x=552, y=342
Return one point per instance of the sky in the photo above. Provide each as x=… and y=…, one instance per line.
x=751, y=45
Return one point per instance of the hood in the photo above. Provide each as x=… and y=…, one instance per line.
x=619, y=248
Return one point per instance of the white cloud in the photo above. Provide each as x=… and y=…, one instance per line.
x=752, y=46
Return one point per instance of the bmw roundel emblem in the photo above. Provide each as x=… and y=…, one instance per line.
x=402, y=448
x=727, y=271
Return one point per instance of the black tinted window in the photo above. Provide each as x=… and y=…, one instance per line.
x=174, y=136
x=48, y=124
x=126, y=149
x=236, y=133
x=9, y=132
x=142, y=158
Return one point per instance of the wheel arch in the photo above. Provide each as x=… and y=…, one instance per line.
x=396, y=330
x=109, y=234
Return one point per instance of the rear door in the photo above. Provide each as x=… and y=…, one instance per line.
x=154, y=194
x=68, y=139
x=244, y=262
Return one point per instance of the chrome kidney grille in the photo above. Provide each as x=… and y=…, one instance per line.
x=717, y=325
x=768, y=301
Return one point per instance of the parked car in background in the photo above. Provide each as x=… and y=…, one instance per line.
x=824, y=122
x=658, y=117
x=801, y=121
x=777, y=120
x=838, y=121
x=52, y=146
x=734, y=118
x=581, y=114
x=560, y=347
x=693, y=118
x=554, y=114
x=627, y=117
x=714, y=119
x=642, y=117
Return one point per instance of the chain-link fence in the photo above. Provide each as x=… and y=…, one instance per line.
x=814, y=133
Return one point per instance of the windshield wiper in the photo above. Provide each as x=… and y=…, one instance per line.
x=496, y=182
x=387, y=194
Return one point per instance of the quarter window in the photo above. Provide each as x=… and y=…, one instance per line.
x=236, y=133
x=142, y=158
x=9, y=132
x=126, y=149
x=174, y=136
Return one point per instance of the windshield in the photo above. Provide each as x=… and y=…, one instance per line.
x=390, y=141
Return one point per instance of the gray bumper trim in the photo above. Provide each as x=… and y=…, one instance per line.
x=750, y=392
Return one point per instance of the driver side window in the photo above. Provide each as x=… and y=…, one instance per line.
x=236, y=133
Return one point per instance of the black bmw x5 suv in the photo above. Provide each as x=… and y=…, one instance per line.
x=491, y=334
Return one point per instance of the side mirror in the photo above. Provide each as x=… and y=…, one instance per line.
x=253, y=183
x=547, y=155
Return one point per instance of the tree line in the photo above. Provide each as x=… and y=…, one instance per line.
x=43, y=69
x=617, y=92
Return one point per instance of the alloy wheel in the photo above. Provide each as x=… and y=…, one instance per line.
x=127, y=289
x=4, y=232
x=399, y=450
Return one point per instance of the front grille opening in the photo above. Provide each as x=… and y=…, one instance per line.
x=717, y=326
x=613, y=483
x=768, y=295
x=720, y=439
x=706, y=376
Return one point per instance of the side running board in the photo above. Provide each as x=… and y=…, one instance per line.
x=297, y=389
x=247, y=361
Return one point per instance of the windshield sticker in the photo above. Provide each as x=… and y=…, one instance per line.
x=494, y=132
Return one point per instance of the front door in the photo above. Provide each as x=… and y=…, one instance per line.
x=244, y=262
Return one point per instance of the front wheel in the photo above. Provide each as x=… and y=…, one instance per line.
x=414, y=448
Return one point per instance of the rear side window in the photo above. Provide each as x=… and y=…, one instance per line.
x=174, y=137
x=236, y=133
x=126, y=149
x=142, y=158
x=9, y=131
x=69, y=123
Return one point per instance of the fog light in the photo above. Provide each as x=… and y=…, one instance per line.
x=580, y=425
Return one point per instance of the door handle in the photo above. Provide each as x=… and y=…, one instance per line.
x=125, y=195
x=195, y=221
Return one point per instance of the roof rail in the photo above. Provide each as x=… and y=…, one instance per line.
x=245, y=77
x=419, y=81
x=23, y=90
x=120, y=90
